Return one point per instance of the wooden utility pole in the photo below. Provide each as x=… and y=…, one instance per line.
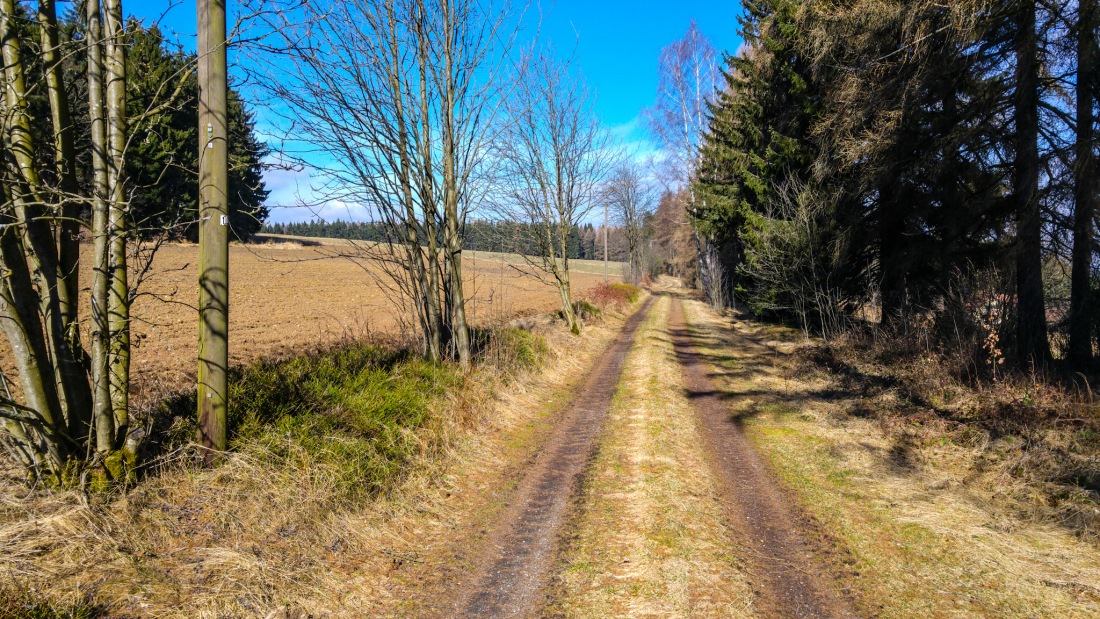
x=213, y=228
x=605, y=242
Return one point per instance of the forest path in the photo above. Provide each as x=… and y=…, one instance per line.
x=786, y=565
x=679, y=516
x=509, y=577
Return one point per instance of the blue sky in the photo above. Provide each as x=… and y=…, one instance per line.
x=617, y=43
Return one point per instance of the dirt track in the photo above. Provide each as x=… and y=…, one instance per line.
x=763, y=527
x=509, y=579
x=790, y=579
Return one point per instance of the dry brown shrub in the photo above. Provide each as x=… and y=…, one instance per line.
x=615, y=297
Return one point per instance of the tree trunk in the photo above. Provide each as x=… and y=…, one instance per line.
x=103, y=414
x=561, y=275
x=452, y=248
x=1032, y=345
x=118, y=303
x=891, y=225
x=71, y=369
x=1084, y=191
x=20, y=322
x=65, y=152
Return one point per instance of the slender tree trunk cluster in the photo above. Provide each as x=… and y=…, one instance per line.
x=72, y=403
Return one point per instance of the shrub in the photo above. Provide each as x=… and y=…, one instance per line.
x=585, y=310
x=613, y=295
x=509, y=349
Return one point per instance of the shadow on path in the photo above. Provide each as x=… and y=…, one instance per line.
x=786, y=569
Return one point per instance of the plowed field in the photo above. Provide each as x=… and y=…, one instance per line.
x=290, y=295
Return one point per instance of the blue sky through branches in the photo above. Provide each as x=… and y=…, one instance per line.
x=616, y=44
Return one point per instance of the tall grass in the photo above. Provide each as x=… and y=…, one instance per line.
x=24, y=605
x=318, y=442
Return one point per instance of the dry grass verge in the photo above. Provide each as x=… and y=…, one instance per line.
x=1030, y=443
x=918, y=532
x=649, y=537
x=351, y=472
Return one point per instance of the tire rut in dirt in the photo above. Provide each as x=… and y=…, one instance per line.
x=509, y=579
x=784, y=564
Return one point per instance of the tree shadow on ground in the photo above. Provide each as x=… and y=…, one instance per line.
x=732, y=355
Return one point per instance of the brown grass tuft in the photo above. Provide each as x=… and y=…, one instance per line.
x=926, y=513
x=1032, y=443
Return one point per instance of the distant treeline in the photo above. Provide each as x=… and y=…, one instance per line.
x=583, y=243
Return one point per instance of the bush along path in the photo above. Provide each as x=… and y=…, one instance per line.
x=509, y=576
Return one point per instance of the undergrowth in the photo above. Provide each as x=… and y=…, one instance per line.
x=358, y=410
x=316, y=441
x=615, y=296
x=1030, y=442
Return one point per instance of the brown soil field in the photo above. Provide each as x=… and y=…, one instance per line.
x=291, y=296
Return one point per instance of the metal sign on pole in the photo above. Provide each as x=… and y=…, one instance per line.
x=212, y=392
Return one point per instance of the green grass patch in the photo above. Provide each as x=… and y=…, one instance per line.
x=358, y=415
x=776, y=409
x=509, y=349
x=355, y=411
x=586, y=310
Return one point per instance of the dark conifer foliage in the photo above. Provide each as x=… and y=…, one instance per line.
x=162, y=160
x=584, y=242
x=877, y=157
x=164, y=165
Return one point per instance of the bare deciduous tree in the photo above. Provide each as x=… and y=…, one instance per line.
x=553, y=157
x=687, y=76
x=630, y=197
x=396, y=100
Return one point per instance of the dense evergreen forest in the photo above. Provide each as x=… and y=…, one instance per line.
x=162, y=154
x=583, y=242
x=922, y=163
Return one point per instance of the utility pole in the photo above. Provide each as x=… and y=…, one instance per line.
x=213, y=228
x=605, y=242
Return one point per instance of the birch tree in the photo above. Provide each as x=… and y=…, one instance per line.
x=687, y=77
x=553, y=156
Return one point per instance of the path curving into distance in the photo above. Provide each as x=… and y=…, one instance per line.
x=510, y=577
